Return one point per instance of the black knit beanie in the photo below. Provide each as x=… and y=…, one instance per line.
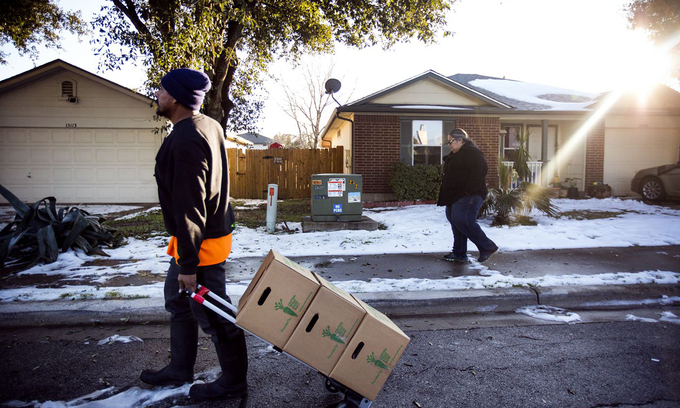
x=187, y=86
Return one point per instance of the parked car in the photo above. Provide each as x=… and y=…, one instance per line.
x=657, y=183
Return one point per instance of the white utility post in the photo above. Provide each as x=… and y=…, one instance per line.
x=272, y=197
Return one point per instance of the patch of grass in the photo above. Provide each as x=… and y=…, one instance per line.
x=114, y=294
x=291, y=210
x=148, y=224
x=589, y=215
x=142, y=226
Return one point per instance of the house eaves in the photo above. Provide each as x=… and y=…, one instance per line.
x=457, y=110
x=430, y=74
x=57, y=66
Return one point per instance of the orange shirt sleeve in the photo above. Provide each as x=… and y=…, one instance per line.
x=213, y=251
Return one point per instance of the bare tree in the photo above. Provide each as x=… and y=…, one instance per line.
x=306, y=104
x=288, y=140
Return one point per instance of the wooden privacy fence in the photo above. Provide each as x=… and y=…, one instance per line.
x=250, y=171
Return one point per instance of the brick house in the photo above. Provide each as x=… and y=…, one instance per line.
x=571, y=134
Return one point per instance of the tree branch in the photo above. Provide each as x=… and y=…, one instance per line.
x=131, y=12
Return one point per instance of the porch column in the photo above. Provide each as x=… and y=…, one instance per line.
x=544, y=141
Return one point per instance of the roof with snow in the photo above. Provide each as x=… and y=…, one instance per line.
x=493, y=94
x=527, y=95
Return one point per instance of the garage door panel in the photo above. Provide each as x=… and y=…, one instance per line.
x=62, y=156
x=42, y=192
x=63, y=175
x=126, y=137
x=147, y=156
x=38, y=175
x=104, y=138
x=84, y=194
x=83, y=155
x=128, y=174
x=146, y=176
x=17, y=136
x=41, y=156
x=62, y=136
x=148, y=195
x=65, y=194
x=38, y=137
x=83, y=137
x=127, y=155
x=105, y=155
x=106, y=175
x=79, y=165
x=106, y=193
x=15, y=155
x=148, y=138
x=14, y=175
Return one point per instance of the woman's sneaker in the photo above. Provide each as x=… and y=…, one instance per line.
x=452, y=257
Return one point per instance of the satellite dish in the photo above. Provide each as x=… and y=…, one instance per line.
x=332, y=86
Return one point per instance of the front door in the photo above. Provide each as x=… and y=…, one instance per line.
x=536, y=149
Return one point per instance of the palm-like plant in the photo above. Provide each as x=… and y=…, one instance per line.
x=505, y=200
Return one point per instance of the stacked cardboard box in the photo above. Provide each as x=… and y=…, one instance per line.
x=276, y=299
x=326, y=328
x=321, y=325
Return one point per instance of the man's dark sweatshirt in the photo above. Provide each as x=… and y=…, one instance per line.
x=192, y=173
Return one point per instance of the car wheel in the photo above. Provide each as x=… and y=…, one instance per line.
x=652, y=189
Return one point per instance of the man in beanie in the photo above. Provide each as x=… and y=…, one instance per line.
x=463, y=190
x=193, y=188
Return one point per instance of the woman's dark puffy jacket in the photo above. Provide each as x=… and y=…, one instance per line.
x=464, y=174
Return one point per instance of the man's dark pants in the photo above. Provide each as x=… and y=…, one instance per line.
x=462, y=216
x=183, y=309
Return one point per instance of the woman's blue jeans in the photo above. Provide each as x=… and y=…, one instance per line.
x=462, y=216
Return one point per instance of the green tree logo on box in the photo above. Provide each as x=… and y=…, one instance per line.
x=380, y=362
x=340, y=332
x=290, y=309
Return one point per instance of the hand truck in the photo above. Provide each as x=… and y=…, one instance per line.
x=352, y=399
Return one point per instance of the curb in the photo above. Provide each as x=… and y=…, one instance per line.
x=609, y=297
x=393, y=304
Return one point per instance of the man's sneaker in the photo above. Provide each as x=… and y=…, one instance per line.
x=452, y=257
x=484, y=255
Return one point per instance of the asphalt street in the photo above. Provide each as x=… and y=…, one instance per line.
x=466, y=360
x=469, y=348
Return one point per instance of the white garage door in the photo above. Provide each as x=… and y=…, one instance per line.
x=635, y=144
x=79, y=165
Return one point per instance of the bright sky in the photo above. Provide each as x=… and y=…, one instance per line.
x=576, y=44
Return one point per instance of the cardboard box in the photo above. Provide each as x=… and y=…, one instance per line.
x=371, y=355
x=276, y=299
x=326, y=328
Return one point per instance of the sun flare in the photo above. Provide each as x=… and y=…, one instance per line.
x=648, y=65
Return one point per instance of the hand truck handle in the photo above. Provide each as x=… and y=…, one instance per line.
x=199, y=296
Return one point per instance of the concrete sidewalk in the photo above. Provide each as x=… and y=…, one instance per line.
x=416, y=303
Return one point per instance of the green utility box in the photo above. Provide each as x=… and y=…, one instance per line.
x=336, y=197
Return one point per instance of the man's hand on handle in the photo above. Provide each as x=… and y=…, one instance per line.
x=187, y=281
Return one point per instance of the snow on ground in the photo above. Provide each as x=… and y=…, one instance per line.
x=116, y=338
x=549, y=313
x=668, y=317
x=411, y=229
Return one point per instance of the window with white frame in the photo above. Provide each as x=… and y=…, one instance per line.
x=510, y=143
x=427, y=141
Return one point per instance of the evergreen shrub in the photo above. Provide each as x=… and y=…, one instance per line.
x=419, y=182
